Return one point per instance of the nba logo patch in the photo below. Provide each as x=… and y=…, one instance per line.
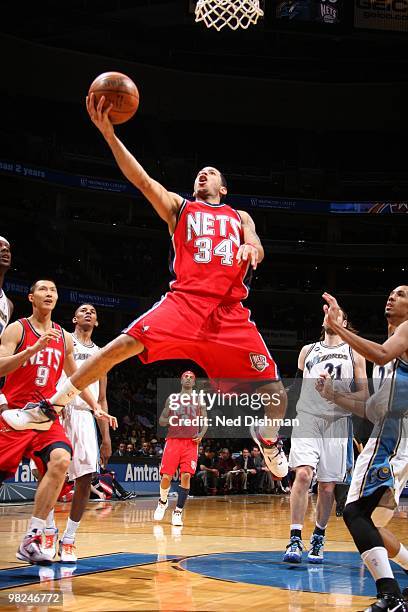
x=193, y=465
x=258, y=362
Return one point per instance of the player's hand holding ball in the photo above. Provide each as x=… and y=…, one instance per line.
x=100, y=116
x=113, y=98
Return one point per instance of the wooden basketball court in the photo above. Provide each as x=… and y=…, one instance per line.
x=228, y=556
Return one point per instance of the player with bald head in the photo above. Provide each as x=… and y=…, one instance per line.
x=185, y=418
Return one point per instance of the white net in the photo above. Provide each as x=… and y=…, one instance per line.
x=232, y=13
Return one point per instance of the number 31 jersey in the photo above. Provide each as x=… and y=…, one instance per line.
x=338, y=361
x=37, y=377
x=203, y=253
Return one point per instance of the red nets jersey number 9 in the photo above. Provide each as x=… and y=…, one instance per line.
x=42, y=376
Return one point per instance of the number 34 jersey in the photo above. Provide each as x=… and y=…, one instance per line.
x=338, y=361
x=38, y=376
x=203, y=253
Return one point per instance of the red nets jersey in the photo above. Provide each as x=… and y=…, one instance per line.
x=204, y=246
x=178, y=414
x=38, y=376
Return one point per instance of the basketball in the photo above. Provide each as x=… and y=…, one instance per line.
x=118, y=90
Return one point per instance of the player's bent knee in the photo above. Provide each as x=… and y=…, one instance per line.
x=382, y=516
x=59, y=461
x=304, y=475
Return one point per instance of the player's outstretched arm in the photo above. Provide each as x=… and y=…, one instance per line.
x=252, y=248
x=381, y=354
x=165, y=203
x=11, y=339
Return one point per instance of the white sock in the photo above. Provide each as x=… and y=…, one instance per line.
x=320, y=526
x=377, y=562
x=70, y=530
x=269, y=432
x=164, y=493
x=36, y=523
x=62, y=397
x=50, y=521
x=401, y=557
x=296, y=526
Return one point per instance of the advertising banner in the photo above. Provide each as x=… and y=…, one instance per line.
x=381, y=14
x=140, y=475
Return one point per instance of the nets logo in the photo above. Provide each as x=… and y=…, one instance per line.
x=258, y=362
x=328, y=11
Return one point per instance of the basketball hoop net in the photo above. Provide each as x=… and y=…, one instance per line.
x=232, y=13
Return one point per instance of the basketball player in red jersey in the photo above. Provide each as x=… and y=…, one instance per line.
x=33, y=354
x=181, y=449
x=201, y=318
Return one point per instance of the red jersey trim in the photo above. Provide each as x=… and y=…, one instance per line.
x=23, y=335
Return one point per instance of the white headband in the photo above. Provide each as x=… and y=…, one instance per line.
x=2, y=239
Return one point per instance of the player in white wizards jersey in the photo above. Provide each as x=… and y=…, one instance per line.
x=322, y=442
x=80, y=428
x=6, y=306
x=381, y=469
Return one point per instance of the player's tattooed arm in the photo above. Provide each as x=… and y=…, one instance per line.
x=252, y=248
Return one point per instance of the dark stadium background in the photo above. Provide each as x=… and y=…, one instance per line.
x=304, y=113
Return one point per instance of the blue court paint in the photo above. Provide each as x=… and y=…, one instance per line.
x=31, y=574
x=341, y=572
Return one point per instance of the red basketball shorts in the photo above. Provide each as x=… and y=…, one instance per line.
x=179, y=452
x=220, y=338
x=14, y=445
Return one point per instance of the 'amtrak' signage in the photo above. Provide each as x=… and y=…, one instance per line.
x=141, y=476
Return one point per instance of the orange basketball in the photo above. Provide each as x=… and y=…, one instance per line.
x=118, y=90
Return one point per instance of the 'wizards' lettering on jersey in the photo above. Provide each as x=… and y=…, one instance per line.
x=319, y=358
x=205, y=224
x=3, y=317
x=49, y=357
